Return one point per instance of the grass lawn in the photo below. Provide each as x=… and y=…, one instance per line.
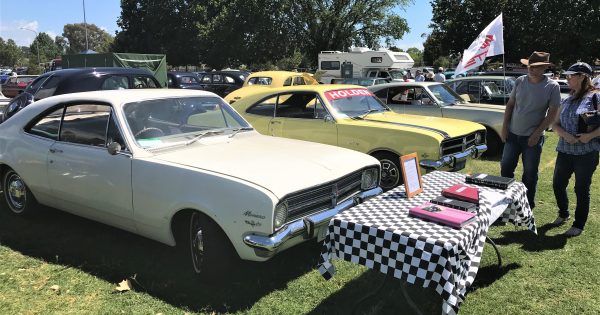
x=56, y=263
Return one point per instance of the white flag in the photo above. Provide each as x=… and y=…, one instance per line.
x=489, y=43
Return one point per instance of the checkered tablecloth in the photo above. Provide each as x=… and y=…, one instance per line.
x=379, y=234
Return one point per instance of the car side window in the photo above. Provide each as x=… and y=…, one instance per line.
x=206, y=79
x=47, y=126
x=462, y=88
x=113, y=134
x=36, y=84
x=47, y=88
x=115, y=83
x=217, y=78
x=382, y=95
x=287, y=82
x=299, y=81
x=189, y=80
x=228, y=79
x=298, y=105
x=264, y=108
x=401, y=95
x=85, y=124
x=143, y=82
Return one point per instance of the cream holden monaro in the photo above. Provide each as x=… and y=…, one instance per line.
x=352, y=117
x=179, y=167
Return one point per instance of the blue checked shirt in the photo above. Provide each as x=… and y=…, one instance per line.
x=570, y=110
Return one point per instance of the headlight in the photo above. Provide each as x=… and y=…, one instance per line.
x=479, y=137
x=280, y=215
x=370, y=178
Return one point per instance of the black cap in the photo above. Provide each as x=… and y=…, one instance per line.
x=580, y=67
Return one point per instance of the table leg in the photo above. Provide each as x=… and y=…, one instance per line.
x=489, y=240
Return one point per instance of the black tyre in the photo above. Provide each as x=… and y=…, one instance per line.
x=212, y=255
x=19, y=199
x=391, y=175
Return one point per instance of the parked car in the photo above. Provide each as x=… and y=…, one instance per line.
x=484, y=89
x=352, y=117
x=183, y=80
x=438, y=100
x=270, y=79
x=362, y=81
x=80, y=80
x=16, y=85
x=180, y=167
x=223, y=82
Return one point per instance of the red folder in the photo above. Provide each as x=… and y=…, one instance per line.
x=443, y=215
x=462, y=192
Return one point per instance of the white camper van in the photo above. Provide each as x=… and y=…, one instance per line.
x=363, y=62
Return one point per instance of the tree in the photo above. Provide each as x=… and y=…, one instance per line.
x=566, y=29
x=233, y=32
x=97, y=39
x=10, y=53
x=62, y=44
x=416, y=54
x=48, y=49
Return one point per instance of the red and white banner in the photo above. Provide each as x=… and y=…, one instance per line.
x=345, y=93
x=490, y=42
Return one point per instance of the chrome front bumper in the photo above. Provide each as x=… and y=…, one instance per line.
x=454, y=161
x=267, y=246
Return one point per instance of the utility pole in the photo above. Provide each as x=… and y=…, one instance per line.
x=86, y=31
x=37, y=45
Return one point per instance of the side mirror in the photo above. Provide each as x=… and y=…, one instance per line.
x=114, y=148
x=328, y=118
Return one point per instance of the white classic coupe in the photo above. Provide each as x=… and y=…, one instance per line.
x=180, y=167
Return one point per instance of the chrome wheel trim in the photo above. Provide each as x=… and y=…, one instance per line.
x=390, y=174
x=196, y=242
x=16, y=193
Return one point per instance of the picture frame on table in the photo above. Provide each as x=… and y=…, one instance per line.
x=411, y=172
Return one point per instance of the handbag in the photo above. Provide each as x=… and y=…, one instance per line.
x=589, y=121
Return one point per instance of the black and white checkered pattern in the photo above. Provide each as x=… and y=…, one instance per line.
x=379, y=234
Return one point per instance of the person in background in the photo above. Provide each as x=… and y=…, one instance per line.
x=555, y=76
x=429, y=77
x=419, y=77
x=531, y=108
x=439, y=76
x=577, y=152
x=596, y=81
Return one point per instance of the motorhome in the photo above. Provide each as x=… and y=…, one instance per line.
x=363, y=62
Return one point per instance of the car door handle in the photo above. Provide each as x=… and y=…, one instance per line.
x=55, y=150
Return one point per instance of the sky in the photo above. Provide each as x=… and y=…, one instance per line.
x=50, y=16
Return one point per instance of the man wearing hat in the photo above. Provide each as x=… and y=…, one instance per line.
x=532, y=107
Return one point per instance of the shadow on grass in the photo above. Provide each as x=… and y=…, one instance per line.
x=113, y=255
x=531, y=242
x=375, y=293
x=490, y=274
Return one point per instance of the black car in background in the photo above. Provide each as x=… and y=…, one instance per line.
x=80, y=80
x=183, y=80
x=223, y=82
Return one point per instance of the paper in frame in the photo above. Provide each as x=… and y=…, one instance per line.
x=411, y=172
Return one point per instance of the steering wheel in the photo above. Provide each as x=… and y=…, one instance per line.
x=159, y=133
x=139, y=86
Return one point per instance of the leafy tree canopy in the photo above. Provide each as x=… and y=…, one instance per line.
x=97, y=39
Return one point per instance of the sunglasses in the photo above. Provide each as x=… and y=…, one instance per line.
x=572, y=75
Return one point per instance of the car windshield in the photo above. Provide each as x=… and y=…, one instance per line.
x=445, y=95
x=260, y=81
x=397, y=75
x=178, y=120
x=353, y=103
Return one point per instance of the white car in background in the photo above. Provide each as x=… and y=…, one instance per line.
x=179, y=167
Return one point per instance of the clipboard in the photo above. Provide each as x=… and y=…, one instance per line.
x=411, y=172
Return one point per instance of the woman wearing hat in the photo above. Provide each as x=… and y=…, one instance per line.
x=577, y=149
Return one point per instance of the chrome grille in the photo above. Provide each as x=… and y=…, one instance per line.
x=457, y=145
x=322, y=197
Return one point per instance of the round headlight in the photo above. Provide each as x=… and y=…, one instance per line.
x=280, y=215
x=370, y=178
x=478, y=138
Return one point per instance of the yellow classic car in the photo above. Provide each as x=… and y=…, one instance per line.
x=353, y=117
x=270, y=79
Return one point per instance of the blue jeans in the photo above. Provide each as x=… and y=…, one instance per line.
x=513, y=148
x=583, y=166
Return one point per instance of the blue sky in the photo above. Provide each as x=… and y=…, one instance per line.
x=50, y=16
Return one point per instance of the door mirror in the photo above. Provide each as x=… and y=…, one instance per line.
x=328, y=118
x=114, y=148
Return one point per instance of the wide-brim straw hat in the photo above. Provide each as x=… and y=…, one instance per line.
x=538, y=58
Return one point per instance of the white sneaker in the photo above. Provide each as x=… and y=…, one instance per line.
x=559, y=221
x=573, y=231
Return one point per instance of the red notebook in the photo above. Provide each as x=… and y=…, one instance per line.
x=443, y=215
x=462, y=192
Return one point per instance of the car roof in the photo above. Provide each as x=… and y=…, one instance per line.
x=273, y=73
x=396, y=83
x=127, y=95
x=99, y=70
x=482, y=77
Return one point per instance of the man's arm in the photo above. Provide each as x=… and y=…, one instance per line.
x=549, y=120
x=508, y=111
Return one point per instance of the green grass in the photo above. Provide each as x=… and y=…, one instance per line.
x=543, y=274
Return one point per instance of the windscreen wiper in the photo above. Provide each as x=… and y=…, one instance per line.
x=206, y=133
x=236, y=130
x=363, y=115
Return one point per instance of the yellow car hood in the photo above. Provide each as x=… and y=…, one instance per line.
x=440, y=126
